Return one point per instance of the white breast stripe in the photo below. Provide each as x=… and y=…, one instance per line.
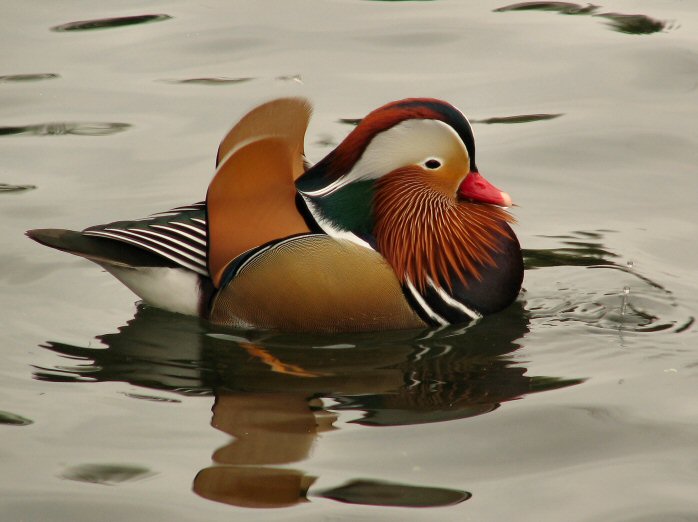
x=423, y=304
x=198, y=220
x=328, y=227
x=246, y=261
x=450, y=301
x=329, y=189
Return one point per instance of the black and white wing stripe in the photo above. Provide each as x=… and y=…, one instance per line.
x=438, y=307
x=179, y=234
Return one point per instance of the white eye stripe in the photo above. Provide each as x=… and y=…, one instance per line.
x=410, y=142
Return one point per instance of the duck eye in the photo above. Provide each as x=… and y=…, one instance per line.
x=432, y=164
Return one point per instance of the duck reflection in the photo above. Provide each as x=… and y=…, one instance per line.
x=275, y=393
x=268, y=429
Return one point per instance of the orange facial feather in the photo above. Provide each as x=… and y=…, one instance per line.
x=425, y=234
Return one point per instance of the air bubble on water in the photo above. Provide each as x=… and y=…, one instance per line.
x=624, y=304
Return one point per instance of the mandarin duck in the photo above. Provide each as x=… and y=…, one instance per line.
x=393, y=229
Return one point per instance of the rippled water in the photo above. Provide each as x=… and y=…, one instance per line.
x=577, y=403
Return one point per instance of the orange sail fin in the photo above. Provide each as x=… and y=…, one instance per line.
x=251, y=201
x=285, y=118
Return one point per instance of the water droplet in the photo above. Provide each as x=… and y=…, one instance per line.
x=291, y=78
x=630, y=264
x=624, y=304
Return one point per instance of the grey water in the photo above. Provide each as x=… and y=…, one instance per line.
x=578, y=403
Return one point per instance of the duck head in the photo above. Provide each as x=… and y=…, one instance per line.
x=404, y=182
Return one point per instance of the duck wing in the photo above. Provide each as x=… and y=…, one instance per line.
x=178, y=235
x=100, y=250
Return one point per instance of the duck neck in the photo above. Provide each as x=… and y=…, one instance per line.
x=346, y=212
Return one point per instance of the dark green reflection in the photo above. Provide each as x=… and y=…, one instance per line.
x=107, y=474
x=522, y=118
x=380, y=493
x=623, y=23
x=559, y=7
x=270, y=391
x=461, y=372
x=350, y=121
x=574, y=253
x=210, y=81
x=62, y=128
x=5, y=187
x=633, y=24
x=12, y=419
x=110, y=23
x=155, y=350
x=28, y=77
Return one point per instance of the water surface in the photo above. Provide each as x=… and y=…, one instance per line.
x=577, y=403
